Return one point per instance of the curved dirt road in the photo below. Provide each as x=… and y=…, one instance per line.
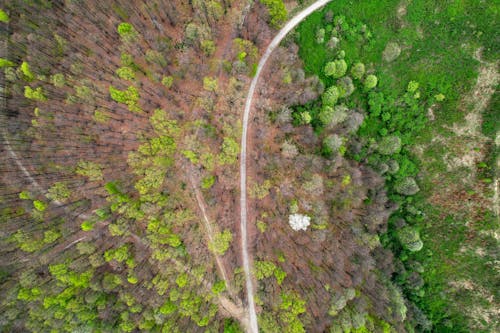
x=252, y=315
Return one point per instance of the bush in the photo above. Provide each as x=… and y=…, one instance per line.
x=410, y=239
x=167, y=81
x=406, y=186
x=336, y=68
x=207, y=182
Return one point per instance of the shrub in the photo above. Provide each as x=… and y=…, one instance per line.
x=389, y=145
x=358, y=70
x=330, y=96
x=305, y=118
x=410, y=239
x=370, y=82
x=336, y=68
x=406, y=186
x=412, y=86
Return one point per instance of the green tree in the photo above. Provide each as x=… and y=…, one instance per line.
x=221, y=242
x=370, y=82
x=336, y=68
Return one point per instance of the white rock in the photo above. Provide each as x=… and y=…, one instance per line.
x=299, y=222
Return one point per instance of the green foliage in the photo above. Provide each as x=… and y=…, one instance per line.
x=3, y=18
x=389, y=145
x=58, y=80
x=162, y=124
x=26, y=71
x=89, y=169
x=260, y=191
x=182, y=280
x=37, y=94
x=208, y=47
x=219, y=287
x=207, y=182
x=358, y=71
x=119, y=254
x=330, y=96
x=221, y=242
x=210, y=84
x=277, y=11
x=130, y=97
x=127, y=32
x=167, y=81
x=24, y=195
x=87, y=225
x=6, y=63
x=230, y=150
x=58, y=192
x=370, y=82
x=292, y=306
x=39, y=205
x=410, y=239
x=191, y=156
x=126, y=73
x=406, y=186
x=336, y=68
x=156, y=57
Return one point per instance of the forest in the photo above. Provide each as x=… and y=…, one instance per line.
x=369, y=200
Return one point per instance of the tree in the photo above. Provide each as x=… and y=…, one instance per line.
x=358, y=70
x=389, y=145
x=370, y=82
x=336, y=68
x=407, y=186
x=221, y=242
x=58, y=192
x=346, y=87
x=330, y=96
x=410, y=238
x=299, y=222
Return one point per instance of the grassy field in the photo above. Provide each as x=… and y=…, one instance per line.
x=438, y=41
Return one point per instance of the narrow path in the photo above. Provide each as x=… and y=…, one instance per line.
x=252, y=315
